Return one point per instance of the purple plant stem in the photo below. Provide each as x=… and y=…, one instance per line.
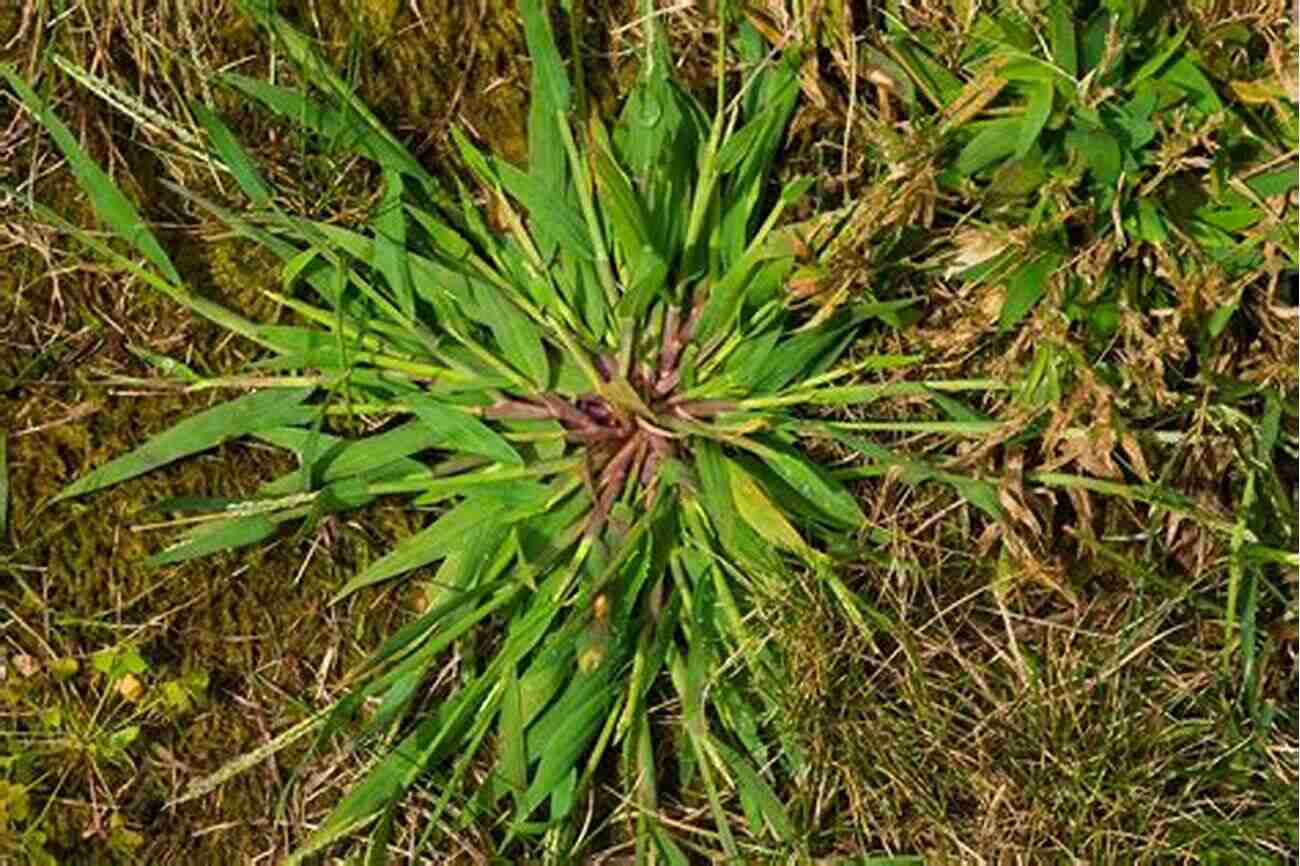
x=517, y=410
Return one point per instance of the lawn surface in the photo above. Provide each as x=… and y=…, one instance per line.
x=1104, y=672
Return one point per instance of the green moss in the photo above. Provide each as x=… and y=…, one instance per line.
x=75, y=572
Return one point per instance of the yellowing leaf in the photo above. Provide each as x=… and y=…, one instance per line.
x=760, y=513
x=25, y=664
x=130, y=687
x=1257, y=92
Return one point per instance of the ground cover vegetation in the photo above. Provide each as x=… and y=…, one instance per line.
x=786, y=432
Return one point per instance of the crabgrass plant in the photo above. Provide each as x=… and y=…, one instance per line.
x=601, y=409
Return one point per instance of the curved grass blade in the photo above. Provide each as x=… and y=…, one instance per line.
x=112, y=206
x=390, y=243
x=355, y=119
x=442, y=537
x=244, y=415
x=224, y=535
x=457, y=431
x=825, y=493
x=236, y=159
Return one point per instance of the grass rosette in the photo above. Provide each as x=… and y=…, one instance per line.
x=600, y=406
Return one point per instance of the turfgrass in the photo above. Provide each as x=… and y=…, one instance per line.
x=1107, y=674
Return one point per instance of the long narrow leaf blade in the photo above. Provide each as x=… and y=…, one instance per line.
x=112, y=206
x=262, y=410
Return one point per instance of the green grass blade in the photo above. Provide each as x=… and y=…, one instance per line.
x=756, y=508
x=384, y=784
x=1026, y=286
x=996, y=141
x=794, y=355
x=430, y=544
x=550, y=100
x=222, y=535
x=978, y=492
x=646, y=285
x=236, y=159
x=109, y=202
x=549, y=214
x=259, y=411
x=823, y=492
x=758, y=791
x=356, y=120
x=1039, y=109
x=457, y=431
x=624, y=208
x=578, y=718
x=1065, y=49
x=514, y=752
x=361, y=456
x=519, y=339
x=391, y=245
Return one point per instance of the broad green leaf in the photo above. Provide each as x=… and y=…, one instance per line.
x=112, y=206
x=1101, y=153
x=1026, y=286
x=998, y=140
x=1151, y=225
x=1030, y=70
x=262, y=410
x=1187, y=76
x=1159, y=59
x=1274, y=183
x=1064, y=45
x=1035, y=118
